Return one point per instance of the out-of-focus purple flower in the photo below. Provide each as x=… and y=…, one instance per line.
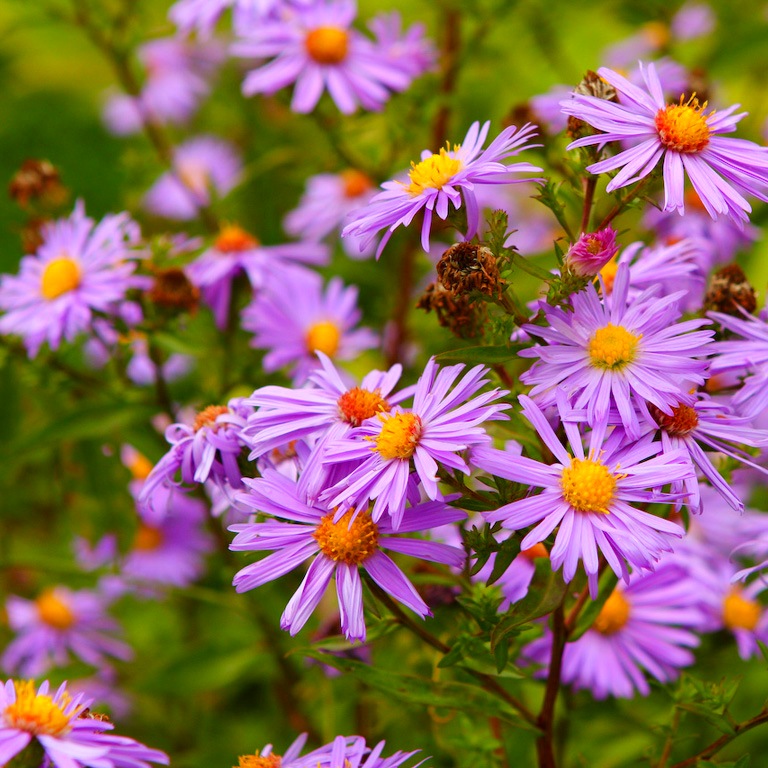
x=293, y=317
x=315, y=47
x=693, y=20
x=338, y=546
x=546, y=108
x=81, y=269
x=644, y=628
x=587, y=496
x=446, y=418
x=324, y=207
x=64, y=729
x=58, y=625
x=412, y=51
x=236, y=252
x=204, y=168
x=650, y=38
x=441, y=180
x=202, y=15
x=682, y=136
x=591, y=252
x=104, y=687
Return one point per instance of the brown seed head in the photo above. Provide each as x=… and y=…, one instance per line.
x=172, y=288
x=465, y=267
x=729, y=291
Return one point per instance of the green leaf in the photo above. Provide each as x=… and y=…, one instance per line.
x=487, y=355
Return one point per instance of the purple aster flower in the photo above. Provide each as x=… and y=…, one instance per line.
x=688, y=140
x=591, y=252
x=645, y=628
x=65, y=730
x=58, y=625
x=410, y=51
x=339, y=546
x=614, y=353
x=447, y=417
x=293, y=317
x=80, y=269
x=236, y=252
x=202, y=15
x=206, y=450
x=441, y=180
x=327, y=201
x=650, y=38
x=692, y=20
x=203, y=168
x=587, y=496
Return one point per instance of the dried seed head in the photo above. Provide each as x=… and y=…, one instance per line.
x=37, y=180
x=463, y=317
x=172, y=288
x=729, y=291
x=465, y=267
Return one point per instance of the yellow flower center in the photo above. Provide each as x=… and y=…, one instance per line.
x=739, y=612
x=207, y=417
x=327, y=45
x=59, y=276
x=683, y=420
x=234, y=239
x=613, y=346
x=434, y=172
x=348, y=541
x=323, y=337
x=356, y=405
x=613, y=615
x=148, y=538
x=588, y=486
x=608, y=273
x=140, y=466
x=355, y=182
x=54, y=611
x=34, y=713
x=399, y=436
x=683, y=127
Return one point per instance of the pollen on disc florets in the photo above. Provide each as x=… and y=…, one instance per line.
x=683, y=127
x=35, y=713
x=356, y=405
x=54, y=611
x=327, y=45
x=234, y=239
x=681, y=422
x=614, y=614
x=434, y=172
x=259, y=761
x=324, y=337
x=588, y=486
x=60, y=276
x=350, y=541
x=399, y=436
x=613, y=346
x=148, y=538
x=207, y=417
x=740, y=612
x=355, y=182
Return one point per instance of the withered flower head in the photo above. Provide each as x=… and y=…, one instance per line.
x=459, y=314
x=37, y=180
x=172, y=288
x=465, y=267
x=729, y=290
x=591, y=85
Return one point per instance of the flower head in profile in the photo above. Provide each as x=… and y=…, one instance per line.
x=683, y=136
x=81, y=270
x=443, y=180
x=587, y=495
x=63, y=726
x=338, y=547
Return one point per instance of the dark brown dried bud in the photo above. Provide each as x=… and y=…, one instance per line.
x=459, y=314
x=729, y=290
x=591, y=85
x=172, y=288
x=37, y=180
x=32, y=234
x=465, y=267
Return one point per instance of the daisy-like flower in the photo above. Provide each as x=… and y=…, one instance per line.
x=410, y=50
x=202, y=15
x=327, y=201
x=591, y=252
x=294, y=317
x=70, y=737
x=441, y=180
x=315, y=47
x=645, y=628
x=236, y=252
x=338, y=546
x=58, y=625
x=587, y=496
x=207, y=449
x=446, y=418
x=611, y=353
x=81, y=268
x=204, y=168
x=683, y=136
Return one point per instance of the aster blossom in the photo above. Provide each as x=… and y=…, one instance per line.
x=613, y=353
x=441, y=180
x=587, y=495
x=338, y=547
x=683, y=136
x=62, y=726
x=81, y=270
x=446, y=418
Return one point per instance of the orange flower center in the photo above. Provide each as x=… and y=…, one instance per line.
x=399, y=436
x=140, y=466
x=323, y=337
x=613, y=615
x=739, y=612
x=207, y=417
x=535, y=552
x=148, y=538
x=54, y=611
x=348, y=541
x=34, y=713
x=588, y=486
x=327, y=45
x=356, y=405
x=234, y=239
x=683, y=420
x=683, y=127
x=59, y=276
x=355, y=182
